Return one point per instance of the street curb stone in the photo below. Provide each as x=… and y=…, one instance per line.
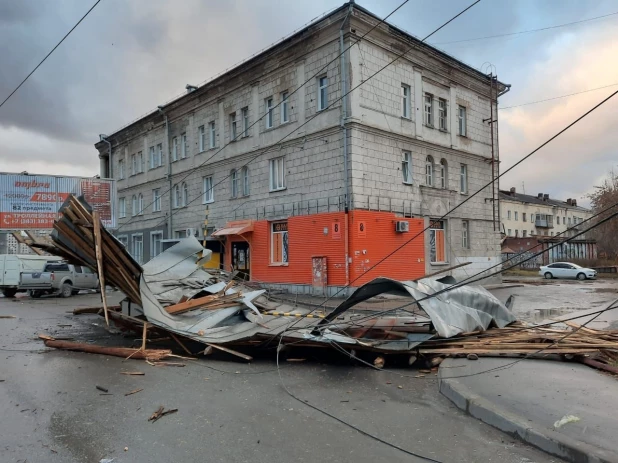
x=549, y=441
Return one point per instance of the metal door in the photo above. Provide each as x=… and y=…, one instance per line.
x=241, y=260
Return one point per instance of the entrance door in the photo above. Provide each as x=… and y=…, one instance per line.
x=240, y=258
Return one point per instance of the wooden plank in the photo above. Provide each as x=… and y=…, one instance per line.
x=125, y=352
x=97, y=246
x=180, y=343
x=230, y=351
x=190, y=305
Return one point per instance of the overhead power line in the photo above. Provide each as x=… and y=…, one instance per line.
x=558, y=97
x=48, y=55
x=529, y=31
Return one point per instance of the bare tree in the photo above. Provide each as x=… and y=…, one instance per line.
x=606, y=196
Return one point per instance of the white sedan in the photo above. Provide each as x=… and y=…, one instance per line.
x=567, y=270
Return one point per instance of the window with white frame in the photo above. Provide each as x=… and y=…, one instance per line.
x=285, y=107
x=465, y=234
x=140, y=204
x=177, y=196
x=508, y=232
x=277, y=174
x=322, y=93
x=140, y=162
x=159, y=154
x=234, y=180
x=437, y=242
x=443, y=174
x=201, y=136
x=463, y=179
x=405, y=101
x=174, y=149
x=156, y=200
x=516, y=215
x=122, y=207
x=134, y=205
x=429, y=171
x=185, y=194
x=121, y=171
x=508, y=215
x=244, y=176
x=406, y=167
x=212, y=134
x=442, y=120
x=245, y=122
x=516, y=233
x=524, y=233
x=279, y=243
x=462, y=120
x=137, y=248
x=209, y=194
x=183, y=146
x=429, y=109
x=156, y=238
x=151, y=157
x=233, y=127
x=523, y=217
x=133, y=164
x=269, y=113
x=124, y=239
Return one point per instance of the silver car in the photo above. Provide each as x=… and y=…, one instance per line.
x=567, y=270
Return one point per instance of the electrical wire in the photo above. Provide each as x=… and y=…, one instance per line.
x=48, y=55
x=558, y=97
x=311, y=79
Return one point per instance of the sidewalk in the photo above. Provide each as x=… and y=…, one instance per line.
x=526, y=399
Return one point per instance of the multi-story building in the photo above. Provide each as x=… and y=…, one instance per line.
x=303, y=186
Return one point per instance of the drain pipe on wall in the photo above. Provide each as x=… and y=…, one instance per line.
x=344, y=116
x=169, y=171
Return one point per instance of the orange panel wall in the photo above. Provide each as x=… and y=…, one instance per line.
x=306, y=239
x=377, y=240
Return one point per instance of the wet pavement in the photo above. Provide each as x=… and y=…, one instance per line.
x=227, y=411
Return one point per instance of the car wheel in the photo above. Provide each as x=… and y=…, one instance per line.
x=10, y=292
x=66, y=290
x=548, y=276
x=581, y=276
x=35, y=293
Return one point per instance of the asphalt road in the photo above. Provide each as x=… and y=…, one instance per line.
x=227, y=411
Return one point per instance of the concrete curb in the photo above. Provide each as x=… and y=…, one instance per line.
x=548, y=440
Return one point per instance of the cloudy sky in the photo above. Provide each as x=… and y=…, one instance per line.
x=128, y=56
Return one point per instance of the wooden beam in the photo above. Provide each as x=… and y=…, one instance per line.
x=230, y=351
x=97, y=247
x=125, y=352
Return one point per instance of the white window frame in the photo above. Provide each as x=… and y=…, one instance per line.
x=245, y=181
x=134, y=206
x=462, y=121
x=153, y=236
x=405, y=101
x=268, y=103
x=463, y=179
x=209, y=192
x=122, y=207
x=465, y=234
x=322, y=93
x=140, y=204
x=201, y=135
x=233, y=126
x=508, y=215
x=124, y=240
x=151, y=156
x=277, y=174
x=174, y=149
x=429, y=170
x=442, y=115
x=140, y=161
x=139, y=258
x=508, y=232
x=212, y=134
x=156, y=200
x=272, y=247
x=176, y=191
x=428, y=104
x=183, y=146
x=185, y=194
x=516, y=215
x=524, y=233
x=234, y=183
x=245, y=121
x=285, y=107
x=159, y=154
x=406, y=167
x=134, y=164
x=443, y=174
x=121, y=172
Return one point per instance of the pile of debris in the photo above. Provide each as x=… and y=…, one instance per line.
x=175, y=296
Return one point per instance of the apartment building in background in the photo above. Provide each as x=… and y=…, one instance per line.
x=299, y=186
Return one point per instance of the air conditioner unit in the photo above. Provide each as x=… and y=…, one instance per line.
x=191, y=232
x=401, y=226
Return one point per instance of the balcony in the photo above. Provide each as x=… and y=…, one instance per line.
x=544, y=223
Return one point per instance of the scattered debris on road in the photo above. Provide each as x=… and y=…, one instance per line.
x=101, y=388
x=160, y=412
x=125, y=352
x=8, y=316
x=134, y=391
x=132, y=373
x=565, y=420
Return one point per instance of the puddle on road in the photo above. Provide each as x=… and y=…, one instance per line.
x=538, y=315
x=602, y=290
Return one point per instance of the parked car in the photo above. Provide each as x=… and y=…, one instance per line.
x=12, y=266
x=567, y=270
x=60, y=278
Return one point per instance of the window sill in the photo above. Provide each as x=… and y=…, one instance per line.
x=408, y=183
x=406, y=118
x=285, y=123
x=429, y=126
x=208, y=202
x=464, y=193
x=278, y=189
x=278, y=264
x=443, y=130
x=268, y=129
x=462, y=136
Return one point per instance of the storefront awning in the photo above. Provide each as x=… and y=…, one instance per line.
x=236, y=230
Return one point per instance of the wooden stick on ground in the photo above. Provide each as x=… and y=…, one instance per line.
x=152, y=354
x=180, y=343
x=97, y=248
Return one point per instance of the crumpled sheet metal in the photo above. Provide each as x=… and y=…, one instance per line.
x=459, y=310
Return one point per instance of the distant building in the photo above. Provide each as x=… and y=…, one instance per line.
x=297, y=202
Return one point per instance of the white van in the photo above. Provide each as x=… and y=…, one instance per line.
x=13, y=265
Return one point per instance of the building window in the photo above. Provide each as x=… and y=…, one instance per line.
x=516, y=215
x=437, y=242
x=134, y=205
x=524, y=233
x=121, y=169
x=569, y=219
x=405, y=101
x=156, y=200
x=183, y=146
x=133, y=164
x=523, y=217
x=509, y=232
x=209, y=193
x=429, y=171
x=124, y=240
x=285, y=105
x=443, y=174
x=465, y=233
x=234, y=177
x=156, y=239
x=279, y=243
x=406, y=167
x=140, y=204
x=233, y=126
x=177, y=196
x=212, y=135
x=429, y=109
x=277, y=174
x=185, y=194
x=245, y=122
x=442, y=114
x=174, y=149
x=245, y=180
x=463, y=179
x=462, y=120
x=516, y=233
x=138, y=248
x=201, y=135
x=269, y=113
x=550, y=234
x=178, y=235
x=558, y=220
x=122, y=207
x=532, y=218
x=151, y=156
x=140, y=162
x=508, y=215
x=322, y=93
x=159, y=157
